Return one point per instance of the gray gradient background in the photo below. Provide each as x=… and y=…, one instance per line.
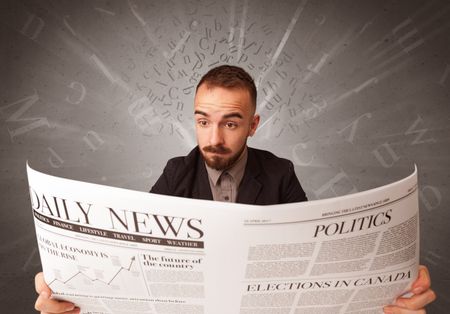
x=353, y=92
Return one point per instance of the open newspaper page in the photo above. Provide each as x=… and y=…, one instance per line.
x=112, y=250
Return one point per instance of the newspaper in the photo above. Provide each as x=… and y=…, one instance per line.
x=112, y=250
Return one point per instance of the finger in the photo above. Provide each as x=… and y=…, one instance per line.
x=391, y=309
x=45, y=304
x=417, y=301
x=40, y=285
x=423, y=281
x=74, y=311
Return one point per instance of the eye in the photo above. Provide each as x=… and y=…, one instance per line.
x=231, y=125
x=202, y=123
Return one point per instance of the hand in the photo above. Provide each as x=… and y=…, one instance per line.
x=422, y=295
x=47, y=305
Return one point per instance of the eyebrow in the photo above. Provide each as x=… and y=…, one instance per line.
x=233, y=115
x=227, y=116
x=201, y=112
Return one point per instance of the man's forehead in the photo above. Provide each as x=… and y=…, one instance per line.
x=217, y=99
x=220, y=105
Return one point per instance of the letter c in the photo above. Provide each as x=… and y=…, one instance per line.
x=296, y=158
x=172, y=96
x=200, y=43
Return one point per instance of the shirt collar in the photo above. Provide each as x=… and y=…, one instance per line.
x=236, y=171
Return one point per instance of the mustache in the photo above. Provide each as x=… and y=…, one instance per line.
x=219, y=149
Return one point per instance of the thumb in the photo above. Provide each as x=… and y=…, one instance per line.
x=41, y=287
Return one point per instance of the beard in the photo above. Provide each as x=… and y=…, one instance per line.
x=220, y=161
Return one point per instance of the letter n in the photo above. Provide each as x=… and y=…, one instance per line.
x=420, y=133
x=100, y=141
x=23, y=105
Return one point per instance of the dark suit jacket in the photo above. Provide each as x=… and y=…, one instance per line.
x=267, y=179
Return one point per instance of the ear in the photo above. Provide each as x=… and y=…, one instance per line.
x=254, y=125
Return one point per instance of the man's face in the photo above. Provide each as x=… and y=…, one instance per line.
x=224, y=118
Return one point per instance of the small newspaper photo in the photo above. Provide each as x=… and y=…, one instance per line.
x=112, y=250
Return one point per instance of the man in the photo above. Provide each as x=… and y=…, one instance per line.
x=223, y=168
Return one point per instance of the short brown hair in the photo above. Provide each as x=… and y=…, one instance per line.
x=230, y=76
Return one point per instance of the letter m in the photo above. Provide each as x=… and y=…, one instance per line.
x=22, y=106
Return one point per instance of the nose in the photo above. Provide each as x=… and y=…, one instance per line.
x=216, y=136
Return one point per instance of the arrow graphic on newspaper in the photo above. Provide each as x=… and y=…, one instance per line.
x=80, y=273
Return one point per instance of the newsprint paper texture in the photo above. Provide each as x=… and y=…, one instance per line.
x=112, y=250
